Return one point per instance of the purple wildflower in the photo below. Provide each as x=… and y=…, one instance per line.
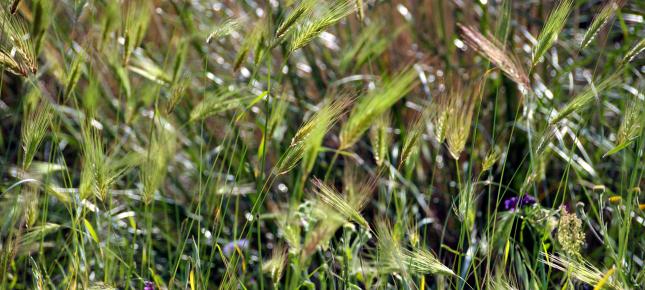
x=514, y=202
x=148, y=285
x=230, y=247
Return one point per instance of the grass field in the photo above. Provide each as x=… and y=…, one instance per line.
x=322, y=144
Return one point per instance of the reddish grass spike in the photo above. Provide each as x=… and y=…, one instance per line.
x=494, y=51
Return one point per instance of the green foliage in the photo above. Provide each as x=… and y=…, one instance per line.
x=336, y=144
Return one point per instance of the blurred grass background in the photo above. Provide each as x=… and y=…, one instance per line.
x=319, y=144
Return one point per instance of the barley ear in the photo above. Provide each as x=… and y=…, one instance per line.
x=34, y=126
x=552, y=27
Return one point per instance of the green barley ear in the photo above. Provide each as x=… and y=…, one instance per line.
x=466, y=206
x=275, y=266
x=600, y=20
x=462, y=103
x=302, y=11
x=389, y=251
x=440, y=109
x=411, y=142
x=24, y=59
x=381, y=139
x=277, y=115
x=93, y=162
x=161, y=151
x=394, y=258
x=252, y=41
x=177, y=93
x=315, y=138
x=632, y=124
x=74, y=75
x=552, y=27
x=373, y=105
x=36, y=233
x=581, y=270
x=585, y=97
x=496, y=53
x=99, y=170
x=491, y=158
x=421, y=261
x=137, y=16
x=633, y=52
x=330, y=14
x=217, y=103
x=34, y=126
x=31, y=203
x=223, y=29
x=147, y=68
x=334, y=200
x=307, y=137
x=631, y=127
